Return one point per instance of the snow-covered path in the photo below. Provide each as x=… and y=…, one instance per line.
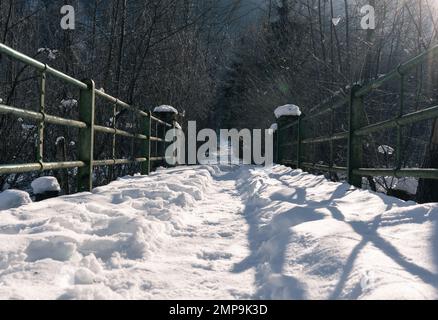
x=211, y=232
x=198, y=260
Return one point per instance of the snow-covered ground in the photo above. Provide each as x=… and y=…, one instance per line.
x=211, y=232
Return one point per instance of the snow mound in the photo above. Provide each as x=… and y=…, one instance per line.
x=45, y=184
x=316, y=239
x=287, y=110
x=88, y=245
x=220, y=232
x=13, y=199
x=165, y=109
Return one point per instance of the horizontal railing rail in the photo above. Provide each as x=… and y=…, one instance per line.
x=357, y=129
x=85, y=124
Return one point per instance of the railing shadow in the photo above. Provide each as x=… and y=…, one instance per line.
x=268, y=244
x=268, y=254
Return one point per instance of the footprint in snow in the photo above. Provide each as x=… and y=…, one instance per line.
x=208, y=267
x=214, y=255
x=225, y=234
x=212, y=223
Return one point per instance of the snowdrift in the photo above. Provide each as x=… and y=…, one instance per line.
x=212, y=232
x=315, y=239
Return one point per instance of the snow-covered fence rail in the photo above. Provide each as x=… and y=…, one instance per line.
x=357, y=130
x=85, y=124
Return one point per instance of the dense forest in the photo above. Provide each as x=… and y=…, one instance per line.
x=225, y=64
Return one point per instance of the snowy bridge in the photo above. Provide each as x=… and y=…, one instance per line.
x=297, y=136
x=218, y=232
x=211, y=232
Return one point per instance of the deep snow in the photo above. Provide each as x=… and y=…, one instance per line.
x=211, y=232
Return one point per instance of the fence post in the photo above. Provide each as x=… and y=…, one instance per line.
x=146, y=146
x=282, y=137
x=355, y=147
x=168, y=116
x=281, y=122
x=42, y=125
x=299, y=144
x=86, y=137
x=275, y=141
x=61, y=156
x=175, y=139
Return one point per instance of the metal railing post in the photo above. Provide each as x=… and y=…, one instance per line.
x=114, y=141
x=283, y=124
x=163, y=144
x=355, y=147
x=299, y=144
x=41, y=124
x=280, y=136
x=175, y=153
x=86, y=136
x=146, y=146
x=275, y=146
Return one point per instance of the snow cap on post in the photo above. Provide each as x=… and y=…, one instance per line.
x=166, y=109
x=45, y=184
x=288, y=110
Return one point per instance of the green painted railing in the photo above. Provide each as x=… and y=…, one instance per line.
x=85, y=124
x=357, y=130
